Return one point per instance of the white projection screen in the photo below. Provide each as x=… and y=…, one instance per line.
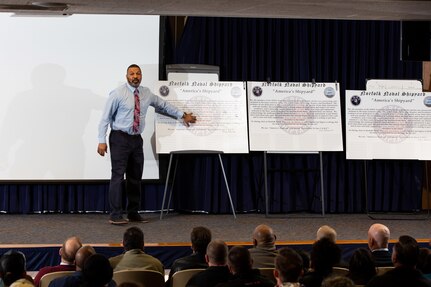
x=55, y=76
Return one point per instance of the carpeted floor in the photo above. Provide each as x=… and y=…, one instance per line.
x=175, y=228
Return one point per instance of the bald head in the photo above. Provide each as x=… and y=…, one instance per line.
x=378, y=236
x=216, y=254
x=263, y=235
x=326, y=231
x=69, y=249
x=82, y=254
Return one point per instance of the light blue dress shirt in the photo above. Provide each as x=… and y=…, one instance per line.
x=119, y=109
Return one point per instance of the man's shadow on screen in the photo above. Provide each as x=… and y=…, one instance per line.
x=45, y=127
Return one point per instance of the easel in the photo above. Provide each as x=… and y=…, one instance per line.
x=162, y=209
x=265, y=170
x=415, y=85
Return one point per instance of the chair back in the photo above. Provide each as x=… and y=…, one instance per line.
x=180, y=278
x=268, y=273
x=48, y=277
x=383, y=270
x=146, y=277
x=340, y=271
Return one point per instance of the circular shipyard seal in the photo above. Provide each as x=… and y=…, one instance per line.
x=208, y=113
x=294, y=115
x=355, y=100
x=257, y=91
x=392, y=124
x=427, y=101
x=329, y=92
x=164, y=91
x=236, y=92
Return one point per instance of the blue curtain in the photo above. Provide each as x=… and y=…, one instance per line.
x=348, y=52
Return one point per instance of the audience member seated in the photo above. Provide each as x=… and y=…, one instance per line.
x=200, y=237
x=337, y=281
x=13, y=269
x=378, y=241
x=67, y=254
x=361, y=266
x=217, y=272
x=326, y=231
x=134, y=256
x=405, y=254
x=75, y=279
x=263, y=252
x=424, y=262
x=97, y=272
x=288, y=268
x=305, y=260
x=22, y=283
x=325, y=254
x=240, y=265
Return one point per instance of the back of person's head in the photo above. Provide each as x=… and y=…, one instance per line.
x=217, y=252
x=378, y=236
x=326, y=231
x=82, y=255
x=133, y=238
x=325, y=254
x=263, y=235
x=305, y=256
x=22, y=283
x=424, y=260
x=69, y=248
x=97, y=271
x=239, y=260
x=405, y=252
x=12, y=267
x=362, y=266
x=288, y=265
x=337, y=281
x=200, y=237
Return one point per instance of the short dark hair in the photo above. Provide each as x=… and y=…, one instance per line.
x=407, y=251
x=97, y=271
x=362, y=266
x=324, y=255
x=133, y=66
x=289, y=264
x=200, y=237
x=217, y=251
x=12, y=266
x=239, y=259
x=133, y=238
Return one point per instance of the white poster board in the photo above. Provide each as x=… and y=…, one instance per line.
x=221, y=112
x=388, y=124
x=294, y=117
x=55, y=78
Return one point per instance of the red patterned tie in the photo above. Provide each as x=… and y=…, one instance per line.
x=136, y=112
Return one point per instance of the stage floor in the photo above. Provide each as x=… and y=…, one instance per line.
x=46, y=229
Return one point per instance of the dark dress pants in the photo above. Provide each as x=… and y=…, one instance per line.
x=127, y=157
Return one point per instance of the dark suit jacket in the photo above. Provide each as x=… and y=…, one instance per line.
x=382, y=258
x=252, y=278
x=400, y=277
x=210, y=277
x=194, y=261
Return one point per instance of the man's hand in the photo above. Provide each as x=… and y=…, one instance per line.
x=102, y=148
x=188, y=119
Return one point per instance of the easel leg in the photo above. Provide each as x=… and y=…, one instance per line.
x=227, y=186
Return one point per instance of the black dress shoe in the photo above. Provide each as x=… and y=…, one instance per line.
x=135, y=217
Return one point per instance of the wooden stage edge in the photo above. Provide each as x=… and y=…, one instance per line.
x=179, y=244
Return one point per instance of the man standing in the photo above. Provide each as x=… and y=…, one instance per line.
x=125, y=113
